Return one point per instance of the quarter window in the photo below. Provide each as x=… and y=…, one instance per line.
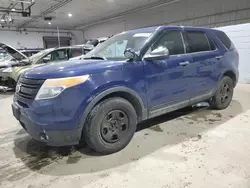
x=196, y=42
x=224, y=39
x=172, y=40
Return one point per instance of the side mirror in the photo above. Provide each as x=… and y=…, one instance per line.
x=130, y=54
x=46, y=59
x=158, y=54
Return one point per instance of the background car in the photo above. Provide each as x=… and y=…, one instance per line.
x=30, y=52
x=90, y=45
x=12, y=68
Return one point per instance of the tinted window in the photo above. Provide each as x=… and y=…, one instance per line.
x=197, y=42
x=224, y=39
x=172, y=40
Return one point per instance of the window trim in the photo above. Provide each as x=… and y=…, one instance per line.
x=184, y=44
x=208, y=38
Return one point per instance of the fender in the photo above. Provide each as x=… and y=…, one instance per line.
x=229, y=71
x=107, y=92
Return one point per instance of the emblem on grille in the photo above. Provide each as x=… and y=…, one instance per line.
x=18, y=87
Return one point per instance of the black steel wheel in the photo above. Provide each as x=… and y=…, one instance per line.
x=110, y=126
x=223, y=95
x=114, y=126
x=225, y=92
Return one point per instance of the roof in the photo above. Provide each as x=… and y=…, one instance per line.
x=67, y=47
x=189, y=27
x=162, y=27
x=143, y=30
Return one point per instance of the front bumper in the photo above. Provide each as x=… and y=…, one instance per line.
x=6, y=80
x=42, y=132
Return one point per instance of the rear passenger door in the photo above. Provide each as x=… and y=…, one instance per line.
x=205, y=57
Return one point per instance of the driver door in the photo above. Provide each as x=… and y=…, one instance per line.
x=168, y=79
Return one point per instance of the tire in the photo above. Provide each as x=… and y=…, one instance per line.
x=110, y=126
x=224, y=94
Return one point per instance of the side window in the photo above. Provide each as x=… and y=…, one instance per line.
x=172, y=40
x=224, y=39
x=196, y=42
x=75, y=52
x=56, y=55
x=59, y=55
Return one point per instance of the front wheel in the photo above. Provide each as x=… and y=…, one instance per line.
x=110, y=126
x=223, y=95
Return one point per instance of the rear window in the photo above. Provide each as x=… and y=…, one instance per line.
x=224, y=39
x=197, y=42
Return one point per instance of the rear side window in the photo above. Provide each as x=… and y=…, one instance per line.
x=224, y=39
x=197, y=42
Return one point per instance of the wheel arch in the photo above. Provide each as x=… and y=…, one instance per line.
x=231, y=75
x=122, y=92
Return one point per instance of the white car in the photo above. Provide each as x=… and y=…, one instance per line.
x=14, y=57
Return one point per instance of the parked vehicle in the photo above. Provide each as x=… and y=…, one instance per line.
x=12, y=68
x=90, y=45
x=30, y=52
x=132, y=77
x=3, y=54
x=13, y=56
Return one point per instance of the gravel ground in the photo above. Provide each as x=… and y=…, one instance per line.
x=197, y=148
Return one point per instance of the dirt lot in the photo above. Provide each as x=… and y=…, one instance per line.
x=197, y=148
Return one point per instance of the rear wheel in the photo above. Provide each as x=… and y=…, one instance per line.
x=223, y=95
x=110, y=126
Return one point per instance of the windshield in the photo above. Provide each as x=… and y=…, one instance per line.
x=113, y=49
x=39, y=55
x=6, y=58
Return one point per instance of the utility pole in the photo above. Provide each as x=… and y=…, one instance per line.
x=58, y=35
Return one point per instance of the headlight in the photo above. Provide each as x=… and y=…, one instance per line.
x=51, y=88
x=7, y=69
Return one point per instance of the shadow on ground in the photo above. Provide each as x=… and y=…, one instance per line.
x=6, y=94
x=152, y=135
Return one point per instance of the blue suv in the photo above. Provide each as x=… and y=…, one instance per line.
x=133, y=76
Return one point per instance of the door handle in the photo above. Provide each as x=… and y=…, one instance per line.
x=218, y=57
x=185, y=63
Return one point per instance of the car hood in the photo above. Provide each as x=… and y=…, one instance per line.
x=13, y=52
x=72, y=68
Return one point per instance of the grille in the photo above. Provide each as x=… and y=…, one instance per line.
x=28, y=88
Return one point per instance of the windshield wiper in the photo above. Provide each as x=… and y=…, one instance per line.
x=95, y=57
